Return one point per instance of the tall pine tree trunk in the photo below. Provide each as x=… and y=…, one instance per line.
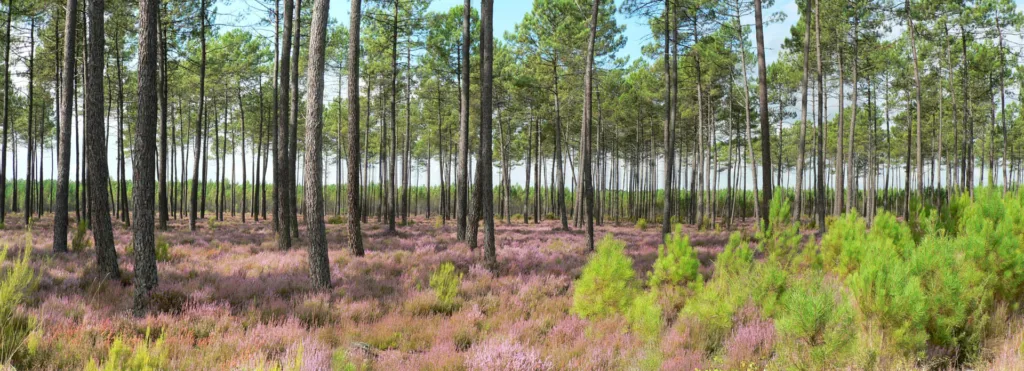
x=762, y=82
x=96, y=151
x=143, y=172
x=320, y=270
x=199, y=120
x=355, y=239
x=281, y=166
x=586, y=156
x=486, y=96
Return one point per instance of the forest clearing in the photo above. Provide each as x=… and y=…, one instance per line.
x=512, y=185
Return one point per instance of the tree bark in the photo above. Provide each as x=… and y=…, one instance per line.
x=319, y=268
x=671, y=93
x=162, y=170
x=801, y=145
x=355, y=238
x=96, y=152
x=586, y=133
x=199, y=121
x=917, y=88
x=7, y=118
x=762, y=82
x=486, y=91
x=281, y=167
x=851, y=166
x=143, y=172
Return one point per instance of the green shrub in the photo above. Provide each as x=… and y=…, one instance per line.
x=445, y=282
x=815, y=326
x=958, y=296
x=768, y=282
x=336, y=219
x=641, y=224
x=341, y=362
x=886, y=226
x=711, y=310
x=890, y=298
x=780, y=239
x=644, y=316
x=79, y=242
x=737, y=257
x=15, y=327
x=143, y=356
x=843, y=245
x=951, y=214
x=606, y=285
x=989, y=239
x=163, y=250
x=677, y=263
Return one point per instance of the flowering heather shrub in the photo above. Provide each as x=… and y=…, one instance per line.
x=505, y=355
x=15, y=285
x=677, y=263
x=686, y=359
x=307, y=355
x=445, y=283
x=750, y=345
x=606, y=285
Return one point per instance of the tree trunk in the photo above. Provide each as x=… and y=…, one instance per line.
x=281, y=167
x=762, y=82
x=462, y=174
x=31, y=145
x=123, y=184
x=292, y=162
x=917, y=88
x=60, y=210
x=355, y=238
x=746, y=113
x=840, y=183
x=486, y=90
x=1002, y=105
x=96, y=152
x=319, y=267
x=143, y=172
x=199, y=121
x=851, y=166
x=801, y=145
x=241, y=112
x=7, y=116
x=671, y=94
x=559, y=168
x=162, y=169
x=391, y=201
x=585, y=133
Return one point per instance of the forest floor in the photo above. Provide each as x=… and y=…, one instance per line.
x=229, y=299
